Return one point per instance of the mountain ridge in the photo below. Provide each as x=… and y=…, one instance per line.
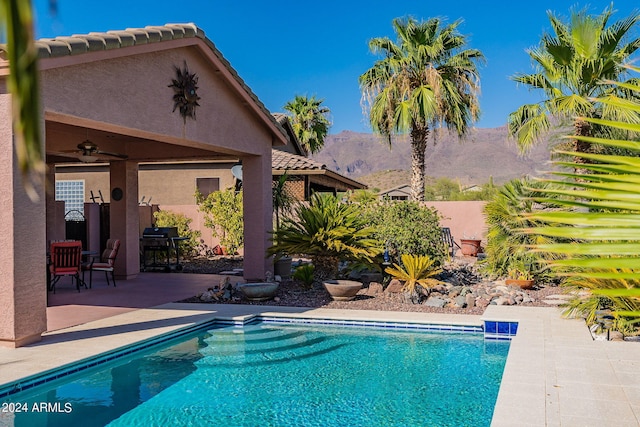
x=484, y=154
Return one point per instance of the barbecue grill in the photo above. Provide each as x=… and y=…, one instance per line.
x=157, y=244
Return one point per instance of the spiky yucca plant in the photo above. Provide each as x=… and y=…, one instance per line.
x=416, y=270
x=328, y=231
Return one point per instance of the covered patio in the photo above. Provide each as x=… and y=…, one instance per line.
x=154, y=94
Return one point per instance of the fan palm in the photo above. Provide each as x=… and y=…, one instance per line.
x=604, y=255
x=576, y=67
x=328, y=231
x=310, y=121
x=424, y=80
x=506, y=244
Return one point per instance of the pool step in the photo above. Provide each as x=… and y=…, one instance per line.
x=262, y=345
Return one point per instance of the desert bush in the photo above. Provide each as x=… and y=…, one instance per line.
x=224, y=216
x=406, y=227
x=181, y=222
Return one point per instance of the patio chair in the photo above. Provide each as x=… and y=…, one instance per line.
x=449, y=242
x=105, y=263
x=65, y=259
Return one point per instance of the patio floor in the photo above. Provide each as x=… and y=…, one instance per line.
x=555, y=374
x=68, y=307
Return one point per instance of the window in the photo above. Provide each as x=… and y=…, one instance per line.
x=207, y=186
x=72, y=193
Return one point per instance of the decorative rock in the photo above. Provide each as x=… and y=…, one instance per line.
x=395, y=286
x=375, y=288
x=435, y=302
x=616, y=336
x=470, y=300
x=460, y=301
x=482, y=303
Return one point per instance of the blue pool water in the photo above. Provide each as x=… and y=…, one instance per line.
x=283, y=375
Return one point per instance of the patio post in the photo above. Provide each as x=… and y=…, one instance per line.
x=124, y=218
x=23, y=292
x=258, y=216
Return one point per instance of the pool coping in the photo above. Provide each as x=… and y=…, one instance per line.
x=554, y=375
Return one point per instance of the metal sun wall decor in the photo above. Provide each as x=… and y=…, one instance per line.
x=185, y=96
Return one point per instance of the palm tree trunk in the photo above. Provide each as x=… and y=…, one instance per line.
x=418, y=148
x=582, y=128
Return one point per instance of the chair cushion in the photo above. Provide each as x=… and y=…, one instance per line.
x=102, y=266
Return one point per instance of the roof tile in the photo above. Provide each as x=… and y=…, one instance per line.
x=286, y=161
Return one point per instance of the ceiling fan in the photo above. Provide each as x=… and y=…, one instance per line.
x=89, y=152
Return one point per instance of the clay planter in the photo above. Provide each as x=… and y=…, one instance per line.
x=282, y=267
x=342, y=290
x=470, y=247
x=522, y=283
x=259, y=291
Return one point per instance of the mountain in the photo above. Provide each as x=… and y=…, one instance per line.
x=484, y=153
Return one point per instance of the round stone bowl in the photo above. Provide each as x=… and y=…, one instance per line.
x=342, y=290
x=259, y=291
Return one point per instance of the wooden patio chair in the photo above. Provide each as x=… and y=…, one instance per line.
x=65, y=260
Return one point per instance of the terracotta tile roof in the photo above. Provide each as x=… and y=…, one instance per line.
x=82, y=43
x=97, y=41
x=292, y=164
x=281, y=160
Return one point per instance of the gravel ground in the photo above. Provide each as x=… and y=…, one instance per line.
x=293, y=295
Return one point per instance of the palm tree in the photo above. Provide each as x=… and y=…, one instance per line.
x=22, y=82
x=425, y=80
x=310, y=121
x=575, y=66
x=603, y=253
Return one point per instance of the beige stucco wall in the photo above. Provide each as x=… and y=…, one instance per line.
x=23, y=291
x=175, y=185
x=139, y=101
x=465, y=219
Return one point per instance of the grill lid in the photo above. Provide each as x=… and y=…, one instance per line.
x=157, y=232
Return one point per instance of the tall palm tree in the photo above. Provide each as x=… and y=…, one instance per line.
x=426, y=79
x=310, y=121
x=575, y=66
x=22, y=82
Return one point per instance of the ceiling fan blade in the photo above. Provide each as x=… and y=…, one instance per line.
x=118, y=155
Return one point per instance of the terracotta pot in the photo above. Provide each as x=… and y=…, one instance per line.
x=342, y=290
x=524, y=284
x=259, y=291
x=470, y=247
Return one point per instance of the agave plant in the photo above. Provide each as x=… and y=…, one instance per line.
x=328, y=231
x=415, y=271
x=602, y=219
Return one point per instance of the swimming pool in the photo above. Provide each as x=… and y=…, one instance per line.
x=268, y=374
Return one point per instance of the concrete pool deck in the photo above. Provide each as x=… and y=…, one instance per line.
x=555, y=374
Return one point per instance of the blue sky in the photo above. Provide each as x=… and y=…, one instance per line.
x=284, y=48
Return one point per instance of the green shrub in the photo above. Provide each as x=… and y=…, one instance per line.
x=406, y=227
x=305, y=275
x=224, y=216
x=181, y=222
